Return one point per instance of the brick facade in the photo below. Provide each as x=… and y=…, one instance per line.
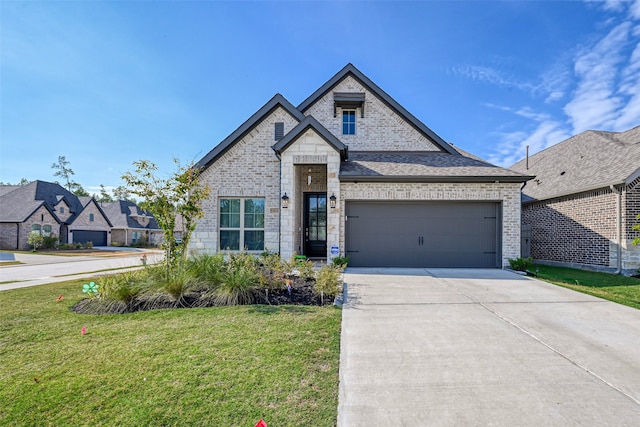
x=249, y=169
x=380, y=128
x=581, y=229
x=83, y=222
x=507, y=194
x=14, y=235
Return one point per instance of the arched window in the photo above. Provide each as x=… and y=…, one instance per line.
x=35, y=228
x=46, y=230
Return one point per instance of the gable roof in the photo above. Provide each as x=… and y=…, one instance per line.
x=351, y=70
x=387, y=166
x=310, y=123
x=120, y=215
x=19, y=204
x=275, y=102
x=584, y=162
x=92, y=200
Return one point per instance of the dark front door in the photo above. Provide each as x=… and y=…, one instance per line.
x=315, y=224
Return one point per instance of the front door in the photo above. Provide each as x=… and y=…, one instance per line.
x=315, y=225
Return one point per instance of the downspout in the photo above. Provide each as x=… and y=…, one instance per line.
x=618, y=226
x=279, y=204
x=17, y=236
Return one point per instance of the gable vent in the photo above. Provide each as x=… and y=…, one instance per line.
x=279, y=130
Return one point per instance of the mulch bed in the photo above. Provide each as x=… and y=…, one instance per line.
x=301, y=293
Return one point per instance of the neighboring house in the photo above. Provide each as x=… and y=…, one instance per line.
x=351, y=172
x=48, y=208
x=131, y=225
x=584, y=201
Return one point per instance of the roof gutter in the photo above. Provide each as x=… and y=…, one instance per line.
x=618, y=227
x=433, y=178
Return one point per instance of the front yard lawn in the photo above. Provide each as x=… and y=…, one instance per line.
x=221, y=366
x=621, y=289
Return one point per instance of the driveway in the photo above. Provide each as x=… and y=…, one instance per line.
x=483, y=347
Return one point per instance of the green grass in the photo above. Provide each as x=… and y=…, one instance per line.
x=621, y=289
x=223, y=366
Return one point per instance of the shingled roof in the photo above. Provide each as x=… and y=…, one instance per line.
x=587, y=161
x=423, y=167
x=19, y=204
x=119, y=213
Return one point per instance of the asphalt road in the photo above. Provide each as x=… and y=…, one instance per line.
x=43, y=269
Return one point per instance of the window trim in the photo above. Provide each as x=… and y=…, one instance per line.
x=241, y=228
x=349, y=113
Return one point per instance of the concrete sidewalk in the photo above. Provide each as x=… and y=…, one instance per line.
x=484, y=347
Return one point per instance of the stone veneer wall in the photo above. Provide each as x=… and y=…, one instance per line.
x=308, y=150
x=249, y=169
x=381, y=129
x=507, y=193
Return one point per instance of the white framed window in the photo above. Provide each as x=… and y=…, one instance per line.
x=242, y=224
x=135, y=236
x=35, y=228
x=348, y=122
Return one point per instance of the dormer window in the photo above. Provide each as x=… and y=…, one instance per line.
x=348, y=122
x=61, y=209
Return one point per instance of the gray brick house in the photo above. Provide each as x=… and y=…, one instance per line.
x=581, y=207
x=131, y=224
x=351, y=172
x=48, y=208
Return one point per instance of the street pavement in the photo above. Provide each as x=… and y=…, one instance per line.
x=37, y=269
x=443, y=347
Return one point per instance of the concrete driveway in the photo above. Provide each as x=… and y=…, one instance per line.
x=483, y=347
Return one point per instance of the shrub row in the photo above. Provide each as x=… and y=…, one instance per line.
x=216, y=280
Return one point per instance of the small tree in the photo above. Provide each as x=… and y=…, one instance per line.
x=122, y=193
x=63, y=171
x=636, y=227
x=104, y=195
x=179, y=196
x=35, y=239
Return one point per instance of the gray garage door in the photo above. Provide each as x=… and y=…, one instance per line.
x=423, y=234
x=99, y=238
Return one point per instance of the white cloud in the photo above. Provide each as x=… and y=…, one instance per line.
x=595, y=104
x=512, y=147
x=490, y=75
x=634, y=9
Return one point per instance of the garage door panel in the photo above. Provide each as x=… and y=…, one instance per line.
x=423, y=234
x=98, y=238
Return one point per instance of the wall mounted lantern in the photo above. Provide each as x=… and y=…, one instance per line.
x=332, y=201
x=285, y=201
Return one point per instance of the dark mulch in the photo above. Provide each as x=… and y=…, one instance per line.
x=301, y=293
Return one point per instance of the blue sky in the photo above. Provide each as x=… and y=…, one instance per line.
x=108, y=83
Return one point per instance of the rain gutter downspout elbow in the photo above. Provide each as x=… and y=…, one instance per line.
x=618, y=227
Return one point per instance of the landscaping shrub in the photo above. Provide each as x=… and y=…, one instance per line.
x=521, y=264
x=328, y=281
x=212, y=280
x=304, y=267
x=88, y=245
x=240, y=281
x=341, y=261
x=51, y=241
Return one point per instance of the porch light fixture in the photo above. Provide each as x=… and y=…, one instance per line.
x=285, y=201
x=332, y=201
